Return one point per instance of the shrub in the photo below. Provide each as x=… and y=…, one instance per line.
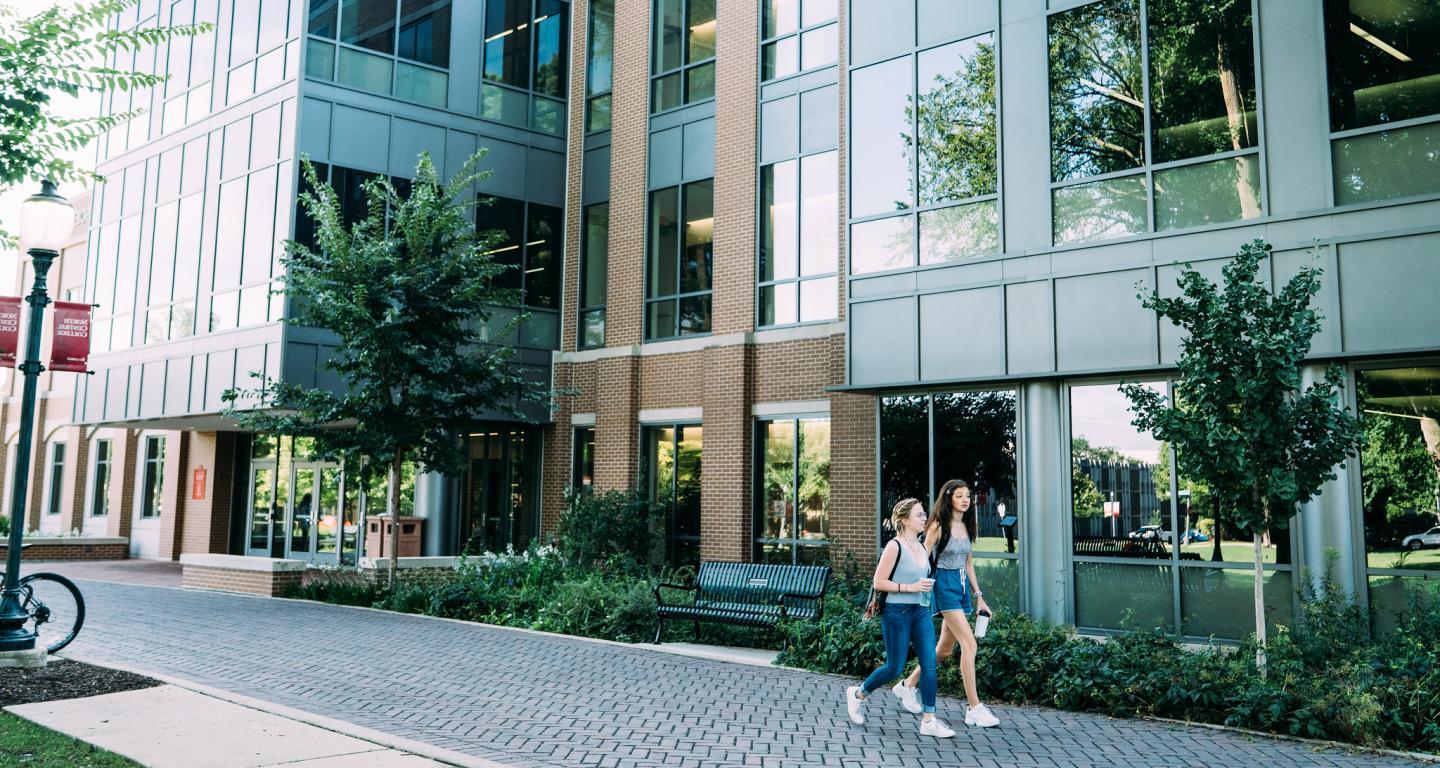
x=598, y=526
x=4, y=525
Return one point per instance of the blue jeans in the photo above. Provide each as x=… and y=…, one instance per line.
x=907, y=625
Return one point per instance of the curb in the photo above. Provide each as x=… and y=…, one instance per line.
x=379, y=738
x=1318, y=744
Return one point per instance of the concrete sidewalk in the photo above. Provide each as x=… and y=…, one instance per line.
x=172, y=727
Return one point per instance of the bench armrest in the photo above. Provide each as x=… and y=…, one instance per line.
x=819, y=597
x=658, y=587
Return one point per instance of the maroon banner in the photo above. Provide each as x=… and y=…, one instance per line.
x=9, y=329
x=70, y=348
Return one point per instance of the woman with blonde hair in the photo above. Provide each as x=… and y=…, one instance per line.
x=903, y=577
x=950, y=538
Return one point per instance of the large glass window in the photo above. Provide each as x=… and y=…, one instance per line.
x=672, y=476
x=678, y=270
x=595, y=255
x=1400, y=486
x=152, y=477
x=526, y=63
x=396, y=47
x=535, y=259
x=100, y=485
x=582, y=476
x=930, y=150
x=792, y=515
x=799, y=230
x=1169, y=129
x=799, y=35
x=926, y=440
x=1149, y=551
x=683, y=53
x=1384, y=82
x=599, y=64
x=56, y=479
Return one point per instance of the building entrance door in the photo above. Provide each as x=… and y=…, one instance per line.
x=304, y=510
x=501, y=491
x=313, y=531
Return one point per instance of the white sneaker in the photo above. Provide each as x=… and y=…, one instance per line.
x=936, y=727
x=909, y=697
x=853, y=704
x=981, y=717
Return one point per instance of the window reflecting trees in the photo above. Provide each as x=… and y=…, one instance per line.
x=1120, y=107
x=792, y=518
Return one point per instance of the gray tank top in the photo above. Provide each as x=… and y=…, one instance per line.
x=956, y=554
x=907, y=571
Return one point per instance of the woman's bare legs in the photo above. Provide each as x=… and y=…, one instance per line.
x=954, y=629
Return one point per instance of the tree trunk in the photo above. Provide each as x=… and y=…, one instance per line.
x=1259, y=609
x=1235, y=117
x=1430, y=433
x=395, y=469
x=1216, y=555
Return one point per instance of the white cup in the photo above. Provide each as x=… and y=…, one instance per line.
x=982, y=624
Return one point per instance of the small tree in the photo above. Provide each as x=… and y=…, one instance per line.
x=406, y=291
x=1241, y=423
x=61, y=51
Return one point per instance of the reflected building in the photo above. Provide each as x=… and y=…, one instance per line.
x=891, y=244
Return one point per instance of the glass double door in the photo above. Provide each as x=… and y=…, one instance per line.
x=502, y=488
x=304, y=511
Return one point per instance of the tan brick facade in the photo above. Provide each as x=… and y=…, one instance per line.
x=726, y=374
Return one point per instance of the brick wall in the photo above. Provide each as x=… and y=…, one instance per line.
x=173, y=494
x=206, y=521
x=629, y=136
x=77, y=472
x=70, y=549
x=725, y=470
x=122, y=481
x=247, y=582
x=736, y=94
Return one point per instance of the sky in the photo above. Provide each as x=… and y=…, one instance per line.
x=10, y=199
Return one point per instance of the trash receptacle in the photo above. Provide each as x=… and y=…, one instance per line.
x=379, y=528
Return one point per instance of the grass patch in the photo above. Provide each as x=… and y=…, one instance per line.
x=23, y=743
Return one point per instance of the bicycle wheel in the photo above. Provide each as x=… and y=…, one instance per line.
x=56, y=609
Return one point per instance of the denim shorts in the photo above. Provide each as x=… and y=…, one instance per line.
x=952, y=593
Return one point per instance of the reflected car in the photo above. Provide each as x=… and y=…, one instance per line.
x=1150, y=533
x=1193, y=535
x=1430, y=538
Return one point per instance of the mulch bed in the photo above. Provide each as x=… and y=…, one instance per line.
x=64, y=679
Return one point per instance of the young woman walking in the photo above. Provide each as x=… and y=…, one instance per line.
x=950, y=538
x=903, y=574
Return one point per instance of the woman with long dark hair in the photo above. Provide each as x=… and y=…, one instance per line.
x=950, y=539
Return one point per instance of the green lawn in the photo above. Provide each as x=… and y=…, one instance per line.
x=23, y=743
x=1425, y=559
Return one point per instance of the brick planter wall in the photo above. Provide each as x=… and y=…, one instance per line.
x=236, y=573
x=72, y=548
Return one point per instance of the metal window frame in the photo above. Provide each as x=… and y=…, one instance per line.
x=1149, y=167
x=685, y=66
x=761, y=285
x=915, y=208
x=758, y=490
x=647, y=300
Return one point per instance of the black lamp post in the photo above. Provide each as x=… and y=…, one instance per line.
x=45, y=221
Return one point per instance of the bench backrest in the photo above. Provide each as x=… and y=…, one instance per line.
x=757, y=583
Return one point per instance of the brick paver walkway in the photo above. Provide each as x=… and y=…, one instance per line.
x=536, y=700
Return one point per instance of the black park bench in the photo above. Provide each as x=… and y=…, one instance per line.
x=747, y=594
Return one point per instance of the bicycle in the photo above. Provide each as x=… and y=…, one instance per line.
x=55, y=608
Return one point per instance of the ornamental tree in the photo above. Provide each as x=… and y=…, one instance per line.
x=407, y=291
x=1242, y=424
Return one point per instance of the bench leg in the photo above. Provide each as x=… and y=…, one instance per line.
x=695, y=630
x=659, y=627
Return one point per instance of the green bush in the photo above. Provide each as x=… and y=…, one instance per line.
x=595, y=527
x=4, y=525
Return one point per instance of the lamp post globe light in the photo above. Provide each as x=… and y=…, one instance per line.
x=46, y=219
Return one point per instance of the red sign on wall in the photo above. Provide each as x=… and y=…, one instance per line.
x=70, y=349
x=9, y=329
x=197, y=484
